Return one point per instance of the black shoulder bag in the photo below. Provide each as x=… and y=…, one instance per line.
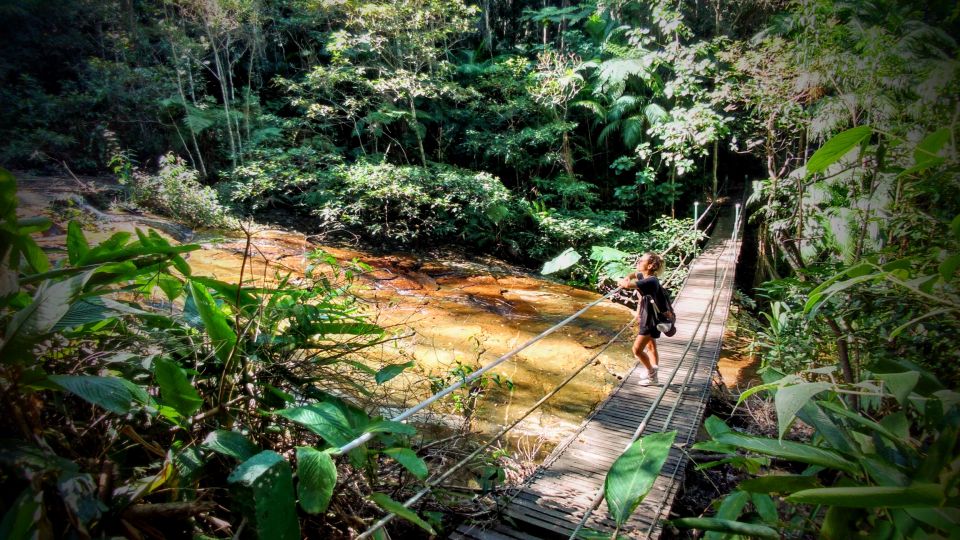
x=665, y=323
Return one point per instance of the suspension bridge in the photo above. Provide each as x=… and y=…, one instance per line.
x=564, y=496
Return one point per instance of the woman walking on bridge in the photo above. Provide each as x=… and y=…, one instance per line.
x=645, y=281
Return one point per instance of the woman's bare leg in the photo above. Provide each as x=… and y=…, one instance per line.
x=652, y=353
x=638, y=350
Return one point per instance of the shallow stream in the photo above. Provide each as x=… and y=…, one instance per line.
x=455, y=310
x=452, y=310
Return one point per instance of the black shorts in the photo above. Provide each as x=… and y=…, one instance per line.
x=647, y=330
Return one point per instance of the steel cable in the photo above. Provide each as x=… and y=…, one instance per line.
x=473, y=376
x=406, y=414
x=432, y=483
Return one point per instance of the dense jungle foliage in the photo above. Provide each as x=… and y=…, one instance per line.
x=521, y=129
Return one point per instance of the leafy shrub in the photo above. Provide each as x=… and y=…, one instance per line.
x=410, y=204
x=557, y=230
x=888, y=467
x=787, y=340
x=206, y=387
x=616, y=258
x=176, y=192
x=276, y=176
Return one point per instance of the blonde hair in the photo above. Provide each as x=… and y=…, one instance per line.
x=654, y=263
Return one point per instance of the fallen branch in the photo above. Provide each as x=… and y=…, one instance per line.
x=174, y=510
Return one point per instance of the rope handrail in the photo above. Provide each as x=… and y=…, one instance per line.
x=656, y=403
x=433, y=482
x=366, y=437
x=474, y=375
x=406, y=414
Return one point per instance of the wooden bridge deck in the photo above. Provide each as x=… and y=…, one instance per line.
x=553, y=502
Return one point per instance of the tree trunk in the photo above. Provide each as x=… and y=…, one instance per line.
x=186, y=111
x=224, y=91
x=486, y=27
x=567, y=155
x=562, y=25
x=416, y=131
x=545, y=26
x=233, y=96
x=843, y=352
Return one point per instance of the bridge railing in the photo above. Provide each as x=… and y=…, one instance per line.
x=707, y=315
x=404, y=416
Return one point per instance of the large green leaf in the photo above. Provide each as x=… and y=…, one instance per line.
x=8, y=195
x=112, y=393
x=632, y=475
x=915, y=496
x=946, y=519
x=766, y=507
x=836, y=437
x=900, y=384
x=388, y=372
x=841, y=523
x=726, y=526
x=317, y=476
x=929, y=148
x=565, y=260
x=34, y=256
x=32, y=225
x=335, y=328
x=715, y=426
x=410, y=461
x=50, y=303
x=175, y=388
x=389, y=426
x=85, y=311
x=229, y=292
x=111, y=250
x=818, y=296
x=77, y=246
x=24, y=516
x=262, y=490
x=230, y=443
x=214, y=321
x=789, y=450
x=392, y=506
x=790, y=399
x=949, y=267
x=863, y=421
x=607, y=254
x=836, y=148
x=324, y=419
